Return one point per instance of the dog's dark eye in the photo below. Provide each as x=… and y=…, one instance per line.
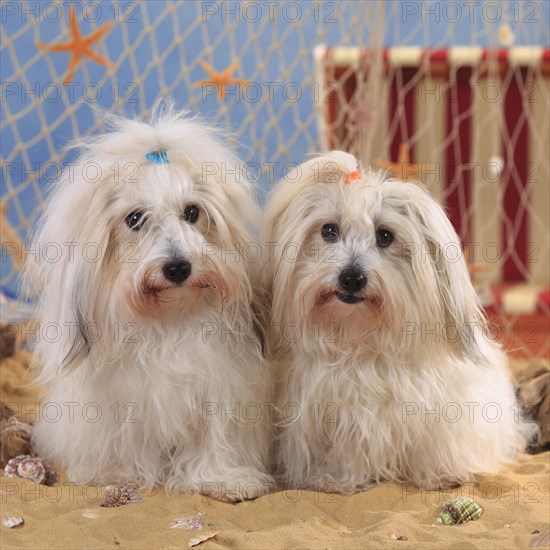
x=384, y=238
x=330, y=232
x=135, y=220
x=191, y=213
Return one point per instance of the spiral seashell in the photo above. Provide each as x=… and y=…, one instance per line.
x=10, y=469
x=119, y=494
x=31, y=467
x=458, y=510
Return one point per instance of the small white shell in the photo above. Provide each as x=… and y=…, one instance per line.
x=197, y=540
x=186, y=523
x=91, y=514
x=10, y=521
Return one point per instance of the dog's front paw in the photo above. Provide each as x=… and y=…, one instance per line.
x=239, y=489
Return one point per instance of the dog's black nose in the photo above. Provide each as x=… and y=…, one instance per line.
x=352, y=279
x=177, y=272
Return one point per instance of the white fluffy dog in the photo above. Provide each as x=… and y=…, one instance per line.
x=148, y=295
x=386, y=369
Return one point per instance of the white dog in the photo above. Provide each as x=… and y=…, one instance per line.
x=149, y=293
x=386, y=370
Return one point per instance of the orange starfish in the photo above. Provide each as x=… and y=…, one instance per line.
x=220, y=80
x=404, y=169
x=473, y=268
x=80, y=46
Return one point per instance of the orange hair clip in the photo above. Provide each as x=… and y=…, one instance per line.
x=352, y=176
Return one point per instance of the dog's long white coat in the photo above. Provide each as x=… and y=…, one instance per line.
x=158, y=361
x=406, y=385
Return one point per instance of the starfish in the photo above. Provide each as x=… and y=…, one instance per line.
x=477, y=268
x=473, y=268
x=220, y=80
x=404, y=169
x=79, y=45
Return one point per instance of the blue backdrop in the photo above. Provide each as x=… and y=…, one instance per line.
x=158, y=48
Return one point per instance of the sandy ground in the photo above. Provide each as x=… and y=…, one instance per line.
x=516, y=503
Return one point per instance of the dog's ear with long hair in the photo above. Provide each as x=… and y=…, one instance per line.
x=278, y=221
x=281, y=227
x=70, y=246
x=442, y=275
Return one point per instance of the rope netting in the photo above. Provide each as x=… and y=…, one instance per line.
x=253, y=68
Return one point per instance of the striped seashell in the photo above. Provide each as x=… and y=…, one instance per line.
x=119, y=494
x=10, y=469
x=31, y=467
x=458, y=510
x=542, y=540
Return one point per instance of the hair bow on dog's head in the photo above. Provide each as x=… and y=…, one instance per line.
x=158, y=157
x=355, y=175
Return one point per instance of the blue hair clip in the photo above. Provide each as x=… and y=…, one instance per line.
x=158, y=157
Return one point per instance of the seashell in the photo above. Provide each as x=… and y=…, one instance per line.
x=51, y=476
x=10, y=521
x=91, y=514
x=541, y=540
x=31, y=467
x=458, y=510
x=119, y=494
x=186, y=523
x=10, y=469
x=203, y=538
